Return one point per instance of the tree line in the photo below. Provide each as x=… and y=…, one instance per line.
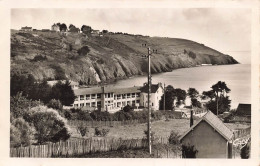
x=217, y=99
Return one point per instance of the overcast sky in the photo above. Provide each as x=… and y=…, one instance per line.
x=227, y=30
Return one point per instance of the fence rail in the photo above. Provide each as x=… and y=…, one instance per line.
x=80, y=147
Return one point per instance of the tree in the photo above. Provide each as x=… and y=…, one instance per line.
x=19, y=105
x=64, y=93
x=193, y=93
x=127, y=108
x=63, y=27
x=220, y=89
x=86, y=29
x=208, y=95
x=170, y=96
x=55, y=104
x=181, y=95
x=104, y=31
x=49, y=125
x=21, y=133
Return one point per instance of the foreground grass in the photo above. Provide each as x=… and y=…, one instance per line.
x=161, y=128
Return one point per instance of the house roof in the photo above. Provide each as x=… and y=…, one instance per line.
x=244, y=109
x=214, y=122
x=115, y=90
x=154, y=88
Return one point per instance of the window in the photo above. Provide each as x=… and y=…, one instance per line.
x=82, y=105
x=137, y=101
x=93, y=104
x=88, y=104
x=76, y=105
x=152, y=104
x=93, y=96
x=98, y=95
x=82, y=97
x=99, y=103
x=118, y=96
x=137, y=94
x=87, y=97
x=77, y=98
x=133, y=94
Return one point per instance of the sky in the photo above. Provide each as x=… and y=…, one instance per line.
x=227, y=30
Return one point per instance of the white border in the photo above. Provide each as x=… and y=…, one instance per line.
x=5, y=7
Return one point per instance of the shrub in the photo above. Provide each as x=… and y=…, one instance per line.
x=82, y=115
x=68, y=114
x=189, y=151
x=21, y=133
x=101, y=132
x=49, y=125
x=39, y=58
x=83, y=130
x=83, y=50
x=55, y=104
x=173, y=139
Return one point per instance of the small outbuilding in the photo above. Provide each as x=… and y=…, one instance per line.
x=210, y=137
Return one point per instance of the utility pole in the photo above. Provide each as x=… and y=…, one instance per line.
x=149, y=102
x=164, y=97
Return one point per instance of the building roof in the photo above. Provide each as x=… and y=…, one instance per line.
x=214, y=122
x=110, y=89
x=52, y=83
x=244, y=109
x=154, y=88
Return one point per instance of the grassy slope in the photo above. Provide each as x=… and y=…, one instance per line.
x=111, y=57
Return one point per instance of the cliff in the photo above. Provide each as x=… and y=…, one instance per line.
x=91, y=59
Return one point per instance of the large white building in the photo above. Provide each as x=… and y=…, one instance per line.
x=113, y=99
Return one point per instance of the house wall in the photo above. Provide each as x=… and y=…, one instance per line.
x=208, y=142
x=155, y=99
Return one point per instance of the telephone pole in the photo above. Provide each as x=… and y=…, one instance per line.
x=149, y=102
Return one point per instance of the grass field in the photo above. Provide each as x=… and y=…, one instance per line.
x=161, y=128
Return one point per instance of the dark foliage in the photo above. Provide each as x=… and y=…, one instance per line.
x=189, y=151
x=59, y=72
x=63, y=92
x=39, y=58
x=83, y=51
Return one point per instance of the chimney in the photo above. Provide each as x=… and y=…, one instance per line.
x=191, y=117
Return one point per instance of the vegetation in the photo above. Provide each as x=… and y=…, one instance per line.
x=189, y=151
x=219, y=101
x=101, y=131
x=83, y=130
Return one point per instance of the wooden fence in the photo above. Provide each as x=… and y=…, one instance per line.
x=80, y=147
x=104, y=123
x=242, y=132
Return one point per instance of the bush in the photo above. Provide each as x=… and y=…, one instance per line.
x=189, y=151
x=49, y=125
x=21, y=133
x=245, y=151
x=173, y=139
x=83, y=51
x=55, y=104
x=39, y=58
x=83, y=130
x=101, y=132
x=68, y=114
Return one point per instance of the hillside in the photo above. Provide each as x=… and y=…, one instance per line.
x=51, y=55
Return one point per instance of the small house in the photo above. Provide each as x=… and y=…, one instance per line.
x=210, y=137
x=95, y=32
x=55, y=27
x=26, y=29
x=244, y=110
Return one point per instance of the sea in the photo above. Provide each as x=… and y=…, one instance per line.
x=237, y=77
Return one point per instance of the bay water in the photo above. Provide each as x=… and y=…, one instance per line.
x=237, y=77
